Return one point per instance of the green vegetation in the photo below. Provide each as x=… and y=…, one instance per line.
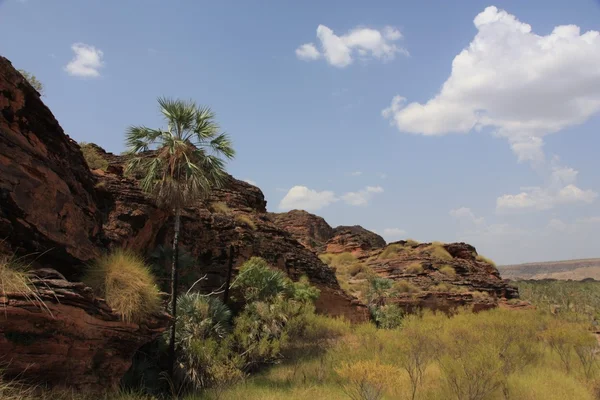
x=448, y=270
x=33, y=81
x=412, y=243
x=414, y=268
x=220, y=208
x=496, y=354
x=92, y=157
x=404, y=286
x=485, y=260
x=246, y=220
x=126, y=283
x=186, y=165
x=572, y=300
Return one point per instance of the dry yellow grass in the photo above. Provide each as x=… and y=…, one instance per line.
x=438, y=251
x=448, y=270
x=391, y=250
x=16, y=278
x=246, y=220
x=414, y=268
x=219, y=207
x=93, y=159
x=404, y=286
x=485, y=260
x=126, y=283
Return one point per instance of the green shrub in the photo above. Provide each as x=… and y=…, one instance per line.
x=126, y=283
x=391, y=250
x=448, y=270
x=257, y=281
x=219, y=207
x=414, y=268
x=246, y=220
x=388, y=316
x=92, y=157
x=485, y=260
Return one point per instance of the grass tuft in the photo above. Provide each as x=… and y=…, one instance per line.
x=404, y=286
x=126, y=283
x=485, y=260
x=391, y=250
x=92, y=157
x=219, y=207
x=414, y=268
x=246, y=220
x=438, y=251
x=448, y=270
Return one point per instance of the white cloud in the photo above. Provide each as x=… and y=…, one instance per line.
x=341, y=51
x=393, y=233
x=362, y=197
x=308, y=52
x=464, y=214
x=522, y=85
x=303, y=198
x=87, y=61
x=356, y=173
x=561, y=189
x=250, y=181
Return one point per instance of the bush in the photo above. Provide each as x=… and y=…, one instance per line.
x=448, y=270
x=257, y=281
x=338, y=260
x=92, y=157
x=391, y=250
x=126, y=283
x=480, y=295
x=485, y=260
x=246, y=220
x=440, y=287
x=414, y=268
x=388, y=316
x=219, y=207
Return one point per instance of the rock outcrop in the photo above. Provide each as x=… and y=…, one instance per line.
x=318, y=236
x=65, y=335
x=47, y=204
x=353, y=239
x=445, y=276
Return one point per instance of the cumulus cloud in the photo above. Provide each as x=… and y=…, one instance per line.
x=86, y=62
x=362, y=197
x=364, y=43
x=522, y=85
x=308, y=52
x=561, y=189
x=303, y=198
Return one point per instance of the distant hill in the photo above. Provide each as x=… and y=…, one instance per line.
x=568, y=269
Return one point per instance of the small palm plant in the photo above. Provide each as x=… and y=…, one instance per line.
x=178, y=166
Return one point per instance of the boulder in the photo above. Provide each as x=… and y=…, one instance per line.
x=353, y=239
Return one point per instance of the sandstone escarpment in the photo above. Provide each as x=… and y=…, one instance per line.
x=318, y=236
x=68, y=336
x=209, y=232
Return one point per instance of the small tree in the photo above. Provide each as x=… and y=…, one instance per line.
x=33, y=81
x=185, y=164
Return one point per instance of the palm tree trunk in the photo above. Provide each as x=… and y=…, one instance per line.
x=174, y=276
x=229, y=273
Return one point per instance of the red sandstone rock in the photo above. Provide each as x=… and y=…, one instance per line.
x=72, y=338
x=353, y=239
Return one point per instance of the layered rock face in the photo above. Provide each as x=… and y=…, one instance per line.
x=64, y=335
x=47, y=203
x=318, y=236
x=446, y=275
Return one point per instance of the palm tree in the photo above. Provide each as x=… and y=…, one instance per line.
x=178, y=166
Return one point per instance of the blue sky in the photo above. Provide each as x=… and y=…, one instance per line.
x=359, y=113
